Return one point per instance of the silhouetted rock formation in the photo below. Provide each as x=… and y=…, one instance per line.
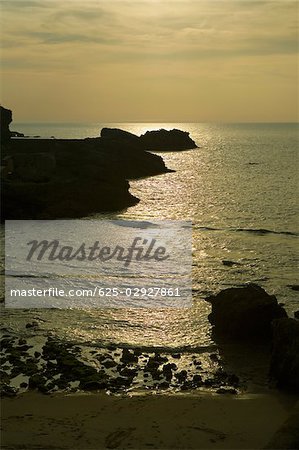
x=36, y=167
x=158, y=140
x=163, y=140
x=5, y=120
x=66, y=178
x=244, y=313
x=117, y=136
x=284, y=366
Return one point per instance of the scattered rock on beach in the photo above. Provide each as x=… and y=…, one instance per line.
x=294, y=287
x=228, y=263
x=244, y=312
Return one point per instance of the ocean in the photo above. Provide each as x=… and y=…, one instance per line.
x=240, y=190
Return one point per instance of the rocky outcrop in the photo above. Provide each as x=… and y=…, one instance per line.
x=71, y=198
x=157, y=140
x=117, y=136
x=64, y=178
x=244, y=313
x=163, y=140
x=68, y=178
x=5, y=120
x=284, y=366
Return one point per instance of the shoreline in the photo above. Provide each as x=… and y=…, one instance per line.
x=95, y=421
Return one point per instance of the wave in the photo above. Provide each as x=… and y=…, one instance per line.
x=135, y=224
x=258, y=231
x=265, y=231
x=150, y=349
x=20, y=275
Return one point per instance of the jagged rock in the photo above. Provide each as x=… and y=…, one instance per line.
x=163, y=140
x=121, y=137
x=128, y=357
x=169, y=367
x=5, y=120
x=245, y=312
x=157, y=140
x=284, y=365
x=109, y=364
x=181, y=376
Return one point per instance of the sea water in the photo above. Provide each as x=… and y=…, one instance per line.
x=239, y=188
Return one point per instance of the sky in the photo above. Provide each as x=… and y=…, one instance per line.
x=149, y=60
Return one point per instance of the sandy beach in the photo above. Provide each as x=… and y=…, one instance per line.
x=96, y=421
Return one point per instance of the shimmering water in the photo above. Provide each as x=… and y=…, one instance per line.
x=240, y=190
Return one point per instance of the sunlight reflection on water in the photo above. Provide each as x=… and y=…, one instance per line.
x=240, y=181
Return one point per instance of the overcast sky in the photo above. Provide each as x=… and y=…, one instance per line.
x=150, y=60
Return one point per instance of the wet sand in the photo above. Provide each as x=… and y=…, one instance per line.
x=96, y=421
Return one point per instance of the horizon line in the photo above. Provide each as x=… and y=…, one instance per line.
x=154, y=122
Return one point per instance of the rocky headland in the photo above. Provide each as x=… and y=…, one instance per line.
x=71, y=178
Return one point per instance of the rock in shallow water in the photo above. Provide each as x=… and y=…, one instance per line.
x=244, y=312
x=164, y=140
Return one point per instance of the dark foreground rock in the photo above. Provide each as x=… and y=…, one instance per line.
x=244, y=313
x=284, y=366
x=65, y=178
